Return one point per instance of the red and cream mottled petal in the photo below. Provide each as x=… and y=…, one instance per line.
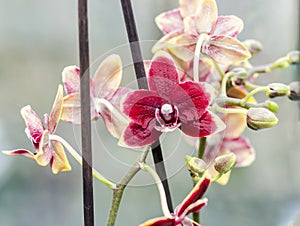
x=163, y=74
x=56, y=110
x=108, y=77
x=225, y=50
x=164, y=43
x=59, y=161
x=183, y=53
x=22, y=152
x=190, y=26
x=170, y=21
x=136, y=136
x=159, y=221
x=195, y=207
x=34, y=124
x=206, y=16
x=44, y=154
x=243, y=150
x=208, y=124
x=71, y=111
x=188, y=7
x=71, y=79
x=228, y=26
x=192, y=99
x=193, y=197
x=140, y=106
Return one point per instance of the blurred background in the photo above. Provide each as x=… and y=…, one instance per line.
x=39, y=38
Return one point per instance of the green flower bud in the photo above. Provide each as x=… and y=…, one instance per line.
x=260, y=118
x=253, y=46
x=294, y=90
x=195, y=165
x=271, y=105
x=281, y=63
x=224, y=163
x=294, y=57
x=278, y=89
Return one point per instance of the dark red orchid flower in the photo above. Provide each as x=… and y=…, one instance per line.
x=167, y=105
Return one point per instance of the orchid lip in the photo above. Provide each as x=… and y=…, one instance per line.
x=167, y=117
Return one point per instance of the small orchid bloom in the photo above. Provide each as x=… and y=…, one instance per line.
x=105, y=95
x=193, y=203
x=47, y=150
x=196, y=22
x=168, y=105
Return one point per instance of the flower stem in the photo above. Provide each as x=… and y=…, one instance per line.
x=87, y=175
x=224, y=83
x=118, y=191
x=78, y=158
x=252, y=93
x=201, y=39
x=163, y=199
x=202, y=145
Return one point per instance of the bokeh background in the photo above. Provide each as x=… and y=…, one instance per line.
x=39, y=38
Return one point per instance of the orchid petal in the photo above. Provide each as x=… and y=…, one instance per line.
x=59, y=160
x=192, y=99
x=71, y=79
x=242, y=149
x=34, y=124
x=163, y=74
x=136, y=136
x=56, y=110
x=206, y=16
x=164, y=42
x=195, y=195
x=108, y=77
x=71, y=111
x=228, y=26
x=235, y=125
x=22, y=152
x=140, y=106
x=225, y=50
x=159, y=221
x=195, y=207
x=184, y=53
x=170, y=21
x=45, y=154
x=189, y=25
x=208, y=124
x=188, y=7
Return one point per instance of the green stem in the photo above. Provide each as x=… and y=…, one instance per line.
x=160, y=187
x=252, y=93
x=201, y=39
x=202, y=145
x=78, y=158
x=224, y=84
x=221, y=73
x=219, y=109
x=118, y=191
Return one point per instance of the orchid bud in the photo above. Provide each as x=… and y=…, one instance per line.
x=294, y=90
x=278, y=89
x=281, y=63
x=195, y=165
x=294, y=57
x=224, y=163
x=271, y=105
x=260, y=118
x=253, y=46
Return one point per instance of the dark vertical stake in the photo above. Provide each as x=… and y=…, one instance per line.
x=142, y=83
x=88, y=201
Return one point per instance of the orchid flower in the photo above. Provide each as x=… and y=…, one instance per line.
x=193, y=203
x=47, y=150
x=195, y=26
x=167, y=105
x=105, y=95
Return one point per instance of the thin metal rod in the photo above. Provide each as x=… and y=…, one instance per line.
x=142, y=84
x=88, y=199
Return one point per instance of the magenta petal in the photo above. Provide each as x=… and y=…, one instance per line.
x=140, y=106
x=163, y=74
x=242, y=149
x=195, y=195
x=208, y=124
x=136, y=136
x=196, y=206
x=22, y=152
x=160, y=221
x=228, y=26
x=170, y=21
x=192, y=99
x=35, y=127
